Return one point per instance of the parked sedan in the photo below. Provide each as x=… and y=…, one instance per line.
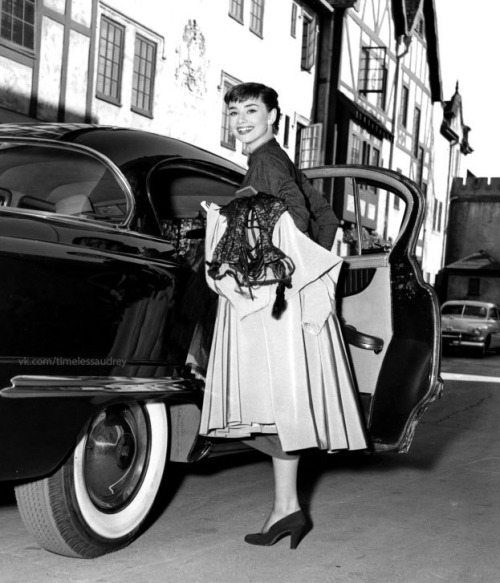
x=470, y=324
x=101, y=251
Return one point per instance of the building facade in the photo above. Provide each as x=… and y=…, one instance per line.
x=358, y=80
x=386, y=81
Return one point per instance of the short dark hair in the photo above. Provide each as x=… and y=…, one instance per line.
x=245, y=91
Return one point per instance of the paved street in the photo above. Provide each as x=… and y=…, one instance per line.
x=430, y=516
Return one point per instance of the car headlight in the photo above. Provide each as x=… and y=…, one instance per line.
x=479, y=331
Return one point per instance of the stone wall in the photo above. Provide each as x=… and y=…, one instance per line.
x=474, y=218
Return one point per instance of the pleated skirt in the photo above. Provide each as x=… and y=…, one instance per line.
x=268, y=376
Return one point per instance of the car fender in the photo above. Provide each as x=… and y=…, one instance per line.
x=42, y=417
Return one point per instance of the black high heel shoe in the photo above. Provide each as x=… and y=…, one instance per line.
x=294, y=524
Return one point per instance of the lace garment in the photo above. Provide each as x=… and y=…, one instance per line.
x=246, y=251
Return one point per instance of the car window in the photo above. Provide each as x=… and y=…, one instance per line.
x=177, y=191
x=475, y=312
x=60, y=180
x=358, y=202
x=452, y=309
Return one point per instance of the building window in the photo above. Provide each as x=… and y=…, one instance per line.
x=420, y=166
x=416, y=131
x=18, y=22
x=110, y=63
x=257, y=16
x=293, y=23
x=474, y=286
x=143, y=76
x=236, y=9
x=309, y=145
x=405, y=97
x=308, y=42
x=355, y=149
x=227, y=140
x=437, y=215
x=373, y=73
x=365, y=149
x=286, y=133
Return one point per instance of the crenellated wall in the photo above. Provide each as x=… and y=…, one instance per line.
x=474, y=186
x=474, y=218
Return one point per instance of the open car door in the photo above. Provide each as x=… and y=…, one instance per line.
x=390, y=315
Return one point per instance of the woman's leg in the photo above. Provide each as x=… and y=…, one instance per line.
x=285, y=490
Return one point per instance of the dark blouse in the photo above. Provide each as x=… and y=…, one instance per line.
x=271, y=171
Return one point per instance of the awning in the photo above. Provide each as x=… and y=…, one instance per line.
x=365, y=118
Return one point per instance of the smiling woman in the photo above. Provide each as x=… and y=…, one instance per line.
x=254, y=114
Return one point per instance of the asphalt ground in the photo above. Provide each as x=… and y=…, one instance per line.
x=429, y=516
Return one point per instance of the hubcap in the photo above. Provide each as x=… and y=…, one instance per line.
x=116, y=455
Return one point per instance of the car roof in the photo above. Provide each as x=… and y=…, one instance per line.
x=119, y=144
x=470, y=303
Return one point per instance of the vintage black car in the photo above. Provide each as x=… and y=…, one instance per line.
x=100, y=237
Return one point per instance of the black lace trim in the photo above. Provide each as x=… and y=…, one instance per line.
x=246, y=251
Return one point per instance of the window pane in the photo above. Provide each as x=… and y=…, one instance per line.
x=257, y=16
x=17, y=22
x=372, y=70
x=110, y=62
x=310, y=141
x=236, y=9
x=143, y=75
x=308, y=42
x=293, y=24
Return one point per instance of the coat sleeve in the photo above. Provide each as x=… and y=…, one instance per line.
x=323, y=219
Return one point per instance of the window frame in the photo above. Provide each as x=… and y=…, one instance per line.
x=293, y=20
x=310, y=145
x=309, y=42
x=101, y=94
x=26, y=24
x=137, y=75
x=257, y=17
x=419, y=178
x=417, y=119
x=237, y=10
x=286, y=132
x=373, y=79
x=404, y=107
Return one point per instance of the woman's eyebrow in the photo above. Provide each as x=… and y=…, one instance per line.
x=239, y=103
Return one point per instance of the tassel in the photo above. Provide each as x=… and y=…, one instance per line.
x=280, y=302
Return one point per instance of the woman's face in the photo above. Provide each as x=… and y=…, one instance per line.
x=251, y=122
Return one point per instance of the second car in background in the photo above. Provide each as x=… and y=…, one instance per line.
x=470, y=324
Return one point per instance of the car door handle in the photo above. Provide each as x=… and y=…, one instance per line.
x=361, y=340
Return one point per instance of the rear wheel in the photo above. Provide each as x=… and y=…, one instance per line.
x=96, y=502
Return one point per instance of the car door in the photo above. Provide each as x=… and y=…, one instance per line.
x=390, y=315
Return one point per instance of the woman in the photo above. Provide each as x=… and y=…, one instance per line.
x=282, y=382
